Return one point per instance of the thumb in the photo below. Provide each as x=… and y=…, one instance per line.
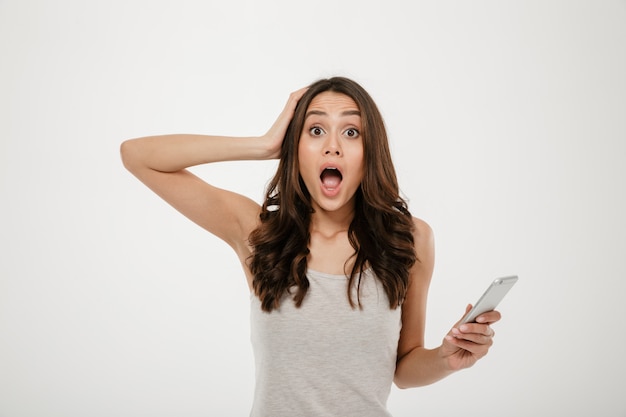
x=467, y=310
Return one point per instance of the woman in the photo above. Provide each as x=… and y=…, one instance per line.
x=338, y=268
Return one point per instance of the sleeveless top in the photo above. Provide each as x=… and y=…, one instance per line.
x=325, y=358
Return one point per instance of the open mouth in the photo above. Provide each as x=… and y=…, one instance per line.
x=331, y=178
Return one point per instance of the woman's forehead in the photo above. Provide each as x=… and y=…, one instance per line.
x=332, y=100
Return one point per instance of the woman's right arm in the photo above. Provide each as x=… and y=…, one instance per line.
x=160, y=162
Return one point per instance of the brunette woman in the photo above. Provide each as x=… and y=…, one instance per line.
x=338, y=268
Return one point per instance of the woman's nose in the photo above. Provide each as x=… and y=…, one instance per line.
x=332, y=147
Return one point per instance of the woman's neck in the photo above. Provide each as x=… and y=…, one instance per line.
x=330, y=250
x=330, y=223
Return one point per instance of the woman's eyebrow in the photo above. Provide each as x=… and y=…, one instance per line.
x=323, y=113
x=315, y=113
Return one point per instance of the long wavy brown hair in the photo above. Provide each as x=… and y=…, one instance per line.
x=381, y=232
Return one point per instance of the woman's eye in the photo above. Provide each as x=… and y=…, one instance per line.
x=316, y=131
x=352, y=133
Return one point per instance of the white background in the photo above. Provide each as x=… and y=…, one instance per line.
x=507, y=123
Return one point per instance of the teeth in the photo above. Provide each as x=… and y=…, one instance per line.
x=329, y=169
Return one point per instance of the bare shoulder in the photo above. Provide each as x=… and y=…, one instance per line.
x=424, y=241
x=423, y=236
x=421, y=226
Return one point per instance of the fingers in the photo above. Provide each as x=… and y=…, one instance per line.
x=489, y=317
x=290, y=107
x=475, y=344
x=297, y=95
x=276, y=133
x=294, y=97
x=476, y=333
x=479, y=332
x=474, y=337
x=466, y=343
x=475, y=328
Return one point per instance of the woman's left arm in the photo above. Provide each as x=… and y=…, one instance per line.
x=461, y=347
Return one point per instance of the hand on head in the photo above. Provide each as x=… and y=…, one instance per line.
x=276, y=133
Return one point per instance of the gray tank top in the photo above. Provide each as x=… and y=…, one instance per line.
x=325, y=358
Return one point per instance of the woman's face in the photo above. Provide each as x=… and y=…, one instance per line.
x=330, y=152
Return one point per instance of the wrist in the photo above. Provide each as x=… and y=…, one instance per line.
x=443, y=359
x=248, y=148
x=267, y=148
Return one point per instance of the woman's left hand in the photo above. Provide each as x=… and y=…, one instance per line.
x=467, y=343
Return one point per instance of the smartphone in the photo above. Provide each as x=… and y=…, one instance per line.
x=490, y=299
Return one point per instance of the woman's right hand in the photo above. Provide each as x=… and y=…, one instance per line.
x=276, y=133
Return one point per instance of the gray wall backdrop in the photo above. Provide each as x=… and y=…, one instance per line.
x=507, y=122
